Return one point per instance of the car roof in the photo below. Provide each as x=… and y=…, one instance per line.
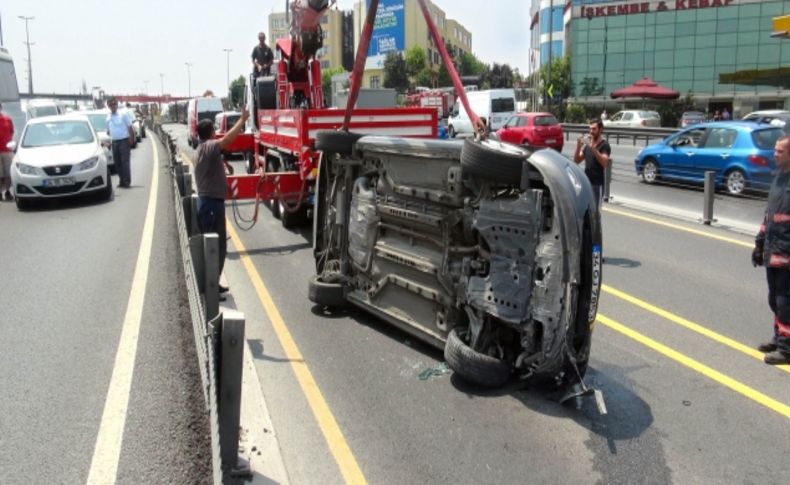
x=769, y=112
x=747, y=125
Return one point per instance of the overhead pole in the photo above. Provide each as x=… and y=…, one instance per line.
x=29, y=59
x=189, y=79
x=227, y=74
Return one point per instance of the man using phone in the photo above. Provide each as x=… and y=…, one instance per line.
x=595, y=152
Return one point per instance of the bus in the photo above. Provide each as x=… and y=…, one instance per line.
x=9, y=93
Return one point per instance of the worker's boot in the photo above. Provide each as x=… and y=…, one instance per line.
x=766, y=347
x=777, y=357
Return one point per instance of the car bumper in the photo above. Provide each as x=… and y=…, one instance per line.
x=44, y=186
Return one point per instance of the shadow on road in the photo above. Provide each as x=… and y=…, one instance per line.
x=622, y=262
x=256, y=349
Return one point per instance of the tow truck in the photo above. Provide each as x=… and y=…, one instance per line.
x=487, y=250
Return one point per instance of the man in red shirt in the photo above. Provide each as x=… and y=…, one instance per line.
x=6, y=156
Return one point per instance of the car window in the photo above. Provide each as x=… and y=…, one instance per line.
x=721, y=138
x=511, y=122
x=689, y=138
x=628, y=116
x=99, y=121
x=545, y=120
x=503, y=105
x=647, y=115
x=38, y=111
x=60, y=133
x=766, y=139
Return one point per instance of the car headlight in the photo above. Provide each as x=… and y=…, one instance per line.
x=26, y=169
x=88, y=164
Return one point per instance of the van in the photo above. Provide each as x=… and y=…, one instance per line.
x=200, y=109
x=37, y=108
x=495, y=105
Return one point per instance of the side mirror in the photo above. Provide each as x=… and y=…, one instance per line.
x=11, y=145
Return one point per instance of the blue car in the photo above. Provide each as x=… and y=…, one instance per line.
x=740, y=152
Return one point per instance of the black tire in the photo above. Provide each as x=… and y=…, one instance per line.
x=22, y=204
x=451, y=131
x=339, y=142
x=139, y=138
x=292, y=219
x=650, y=171
x=326, y=294
x=493, y=160
x=735, y=181
x=266, y=92
x=106, y=193
x=249, y=162
x=142, y=132
x=476, y=368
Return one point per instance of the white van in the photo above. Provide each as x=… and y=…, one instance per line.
x=495, y=105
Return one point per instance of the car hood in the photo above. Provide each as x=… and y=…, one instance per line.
x=57, y=154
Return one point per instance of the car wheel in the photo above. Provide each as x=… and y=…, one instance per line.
x=106, y=193
x=493, y=160
x=340, y=142
x=474, y=367
x=22, y=204
x=249, y=162
x=451, y=131
x=650, y=171
x=736, y=181
x=292, y=219
x=139, y=139
x=142, y=133
x=326, y=291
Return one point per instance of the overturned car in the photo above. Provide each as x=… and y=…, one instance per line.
x=485, y=249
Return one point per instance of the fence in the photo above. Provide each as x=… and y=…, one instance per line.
x=617, y=134
x=219, y=337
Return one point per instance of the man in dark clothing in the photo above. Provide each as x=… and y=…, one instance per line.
x=772, y=249
x=262, y=58
x=595, y=151
x=212, y=184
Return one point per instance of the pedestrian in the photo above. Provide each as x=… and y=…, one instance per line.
x=119, y=127
x=716, y=116
x=212, y=182
x=604, y=116
x=6, y=155
x=262, y=58
x=595, y=151
x=725, y=115
x=772, y=249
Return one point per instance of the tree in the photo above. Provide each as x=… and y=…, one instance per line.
x=426, y=77
x=237, y=87
x=395, y=75
x=555, y=76
x=415, y=60
x=326, y=83
x=469, y=65
x=590, y=87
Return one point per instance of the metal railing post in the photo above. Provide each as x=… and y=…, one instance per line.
x=189, y=206
x=710, y=188
x=607, y=180
x=231, y=361
x=211, y=275
x=187, y=181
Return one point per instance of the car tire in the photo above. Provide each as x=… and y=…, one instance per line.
x=249, y=162
x=493, y=160
x=650, y=171
x=735, y=181
x=142, y=133
x=451, y=131
x=290, y=219
x=474, y=367
x=139, y=139
x=266, y=92
x=106, y=193
x=325, y=293
x=22, y=204
x=339, y=142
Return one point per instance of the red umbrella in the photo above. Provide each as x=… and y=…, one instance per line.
x=645, y=88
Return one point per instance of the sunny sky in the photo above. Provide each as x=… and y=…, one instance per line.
x=120, y=46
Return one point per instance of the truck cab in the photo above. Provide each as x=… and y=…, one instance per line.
x=199, y=109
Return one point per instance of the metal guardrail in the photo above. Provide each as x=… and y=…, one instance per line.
x=219, y=337
x=617, y=134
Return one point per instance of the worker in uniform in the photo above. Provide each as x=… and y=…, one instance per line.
x=772, y=249
x=262, y=58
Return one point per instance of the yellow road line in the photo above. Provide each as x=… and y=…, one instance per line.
x=326, y=421
x=678, y=227
x=694, y=327
x=708, y=372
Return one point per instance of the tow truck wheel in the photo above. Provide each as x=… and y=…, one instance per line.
x=474, y=367
x=326, y=293
x=340, y=142
x=493, y=160
x=249, y=162
x=292, y=219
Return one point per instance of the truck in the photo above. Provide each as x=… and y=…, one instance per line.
x=495, y=105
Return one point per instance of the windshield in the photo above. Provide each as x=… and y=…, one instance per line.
x=766, y=139
x=38, y=111
x=503, y=105
x=545, y=120
x=648, y=115
x=57, y=133
x=99, y=121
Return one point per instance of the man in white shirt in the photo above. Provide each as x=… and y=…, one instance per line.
x=119, y=127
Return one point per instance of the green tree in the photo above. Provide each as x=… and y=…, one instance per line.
x=237, y=88
x=395, y=75
x=326, y=83
x=426, y=77
x=415, y=61
x=557, y=75
x=469, y=65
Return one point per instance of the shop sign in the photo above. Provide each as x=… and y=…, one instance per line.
x=647, y=7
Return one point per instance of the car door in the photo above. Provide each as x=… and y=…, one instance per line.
x=627, y=121
x=680, y=159
x=716, y=152
x=509, y=133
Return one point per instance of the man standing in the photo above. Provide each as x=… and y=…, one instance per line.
x=212, y=184
x=595, y=151
x=262, y=58
x=772, y=248
x=119, y=127
x=6, y=155
x=725, y=115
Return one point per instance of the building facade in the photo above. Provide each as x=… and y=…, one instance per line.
x=550, y=21
x=335, y=25
x=721, y=52
x=400, y=26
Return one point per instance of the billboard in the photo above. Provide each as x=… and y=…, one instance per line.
x=389, y=32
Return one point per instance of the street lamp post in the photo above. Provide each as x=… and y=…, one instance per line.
x=227, y=74
x=146, y=87
x=29, y=60
x=189, y=79
x=161, y=84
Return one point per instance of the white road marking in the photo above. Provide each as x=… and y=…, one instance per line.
x=104, y=466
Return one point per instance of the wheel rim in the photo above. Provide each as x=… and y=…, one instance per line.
x=736, y=182
x=649, y=172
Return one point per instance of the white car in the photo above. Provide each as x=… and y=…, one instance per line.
x=633, y=118
x=59, y=156
x=98, y=119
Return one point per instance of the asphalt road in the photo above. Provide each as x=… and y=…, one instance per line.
x=65, y=280
x=688, y=400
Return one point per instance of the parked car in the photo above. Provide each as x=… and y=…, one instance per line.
x=740, y=152
x=137, y=125
x=37, y=108
x=59, y=156
x=537, y=130
x=766, y=116
x=98, y=119
x=689, y=118
x=633, y=118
